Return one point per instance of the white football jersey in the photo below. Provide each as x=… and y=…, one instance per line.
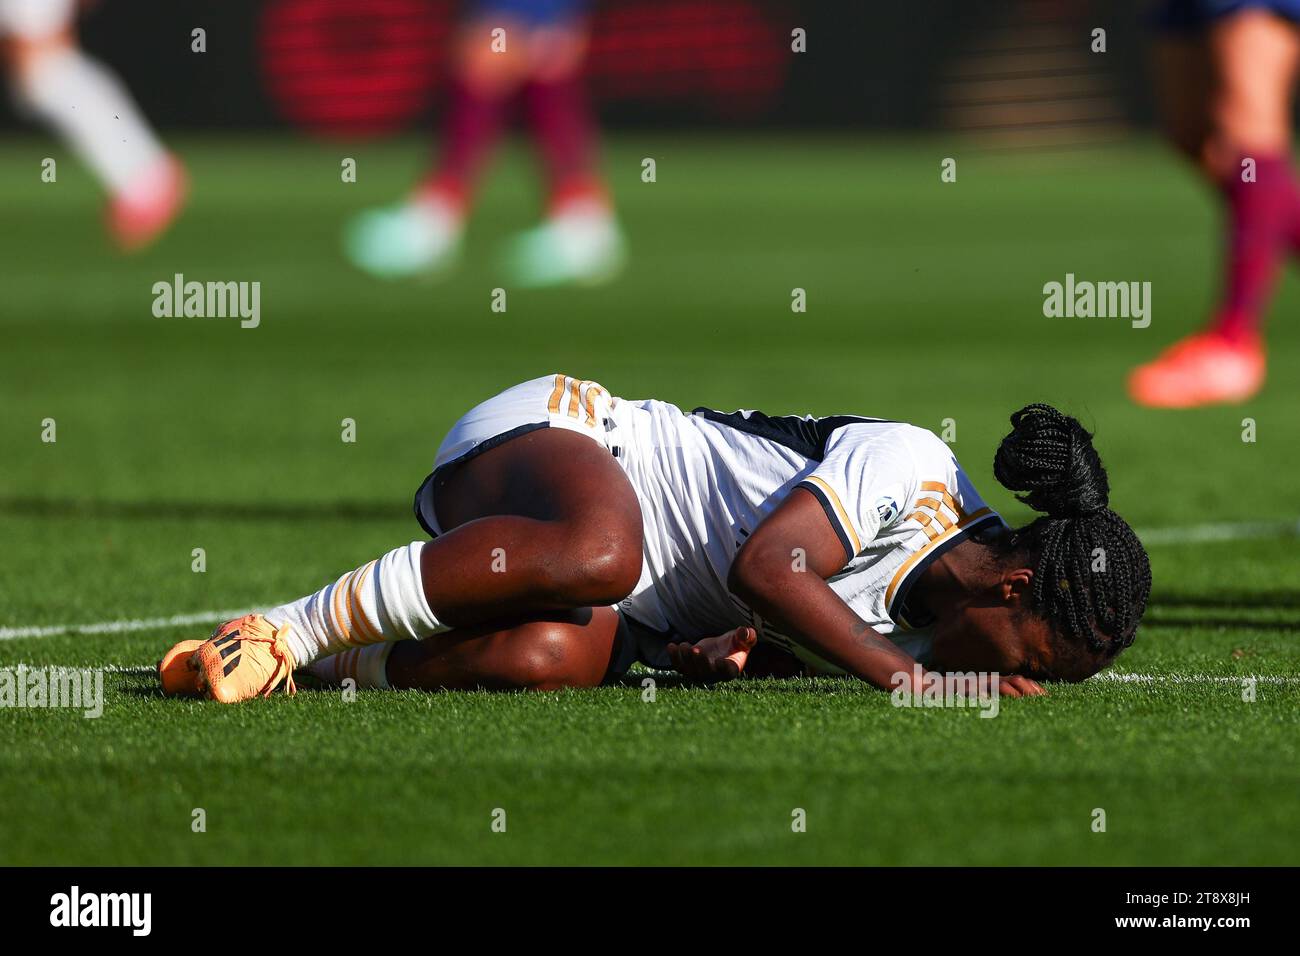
x=893, y=492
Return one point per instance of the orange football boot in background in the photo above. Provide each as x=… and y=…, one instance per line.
x=1202, y=369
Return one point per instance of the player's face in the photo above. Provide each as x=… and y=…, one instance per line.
x=992, y=637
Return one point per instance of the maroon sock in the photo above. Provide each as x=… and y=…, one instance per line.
x=470, y=128
x=566, y=137
x=1263, y=224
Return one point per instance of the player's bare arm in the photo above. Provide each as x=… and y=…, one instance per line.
x=781, y=573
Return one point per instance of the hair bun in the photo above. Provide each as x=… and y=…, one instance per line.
x=1049, y=457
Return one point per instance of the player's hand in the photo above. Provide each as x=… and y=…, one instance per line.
x=714, y=659
x=987, y=685
x=1013, y=685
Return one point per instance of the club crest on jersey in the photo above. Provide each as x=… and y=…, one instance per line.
x=887, y=510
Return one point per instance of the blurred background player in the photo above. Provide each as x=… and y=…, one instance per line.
x=53, y=81
x=536, y=62
x=1226, y=72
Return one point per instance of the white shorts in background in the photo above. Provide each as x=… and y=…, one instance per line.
x=35, y=19
x=553, y=401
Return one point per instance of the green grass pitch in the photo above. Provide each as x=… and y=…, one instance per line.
x=924, y=303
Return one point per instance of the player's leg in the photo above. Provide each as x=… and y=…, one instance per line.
x=487, y=72
x=580, y=240
x=423, y=233
x=544, y=522
x=1256, y=56
x=54, y=81
x=577, y=648
x=1242, y=145
x=562, y=649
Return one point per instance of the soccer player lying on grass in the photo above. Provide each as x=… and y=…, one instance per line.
x=574, y=533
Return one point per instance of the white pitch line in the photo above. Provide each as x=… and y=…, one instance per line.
x=1193, y=678
x=123, y=627
x=140, y=669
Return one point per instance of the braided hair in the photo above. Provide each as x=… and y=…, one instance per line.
x=1092, y=576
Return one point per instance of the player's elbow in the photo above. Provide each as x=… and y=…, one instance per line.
x=754, y=572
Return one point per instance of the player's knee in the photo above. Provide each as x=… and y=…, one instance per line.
x=485, y=61
x=1244, y=127
x=606, y=566
x=556, y=655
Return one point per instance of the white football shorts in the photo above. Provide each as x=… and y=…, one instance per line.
x=553, y=401
x=35, y=19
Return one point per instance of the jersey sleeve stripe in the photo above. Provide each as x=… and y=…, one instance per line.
x=834, y=509
x=939, y=516
x=911, y=562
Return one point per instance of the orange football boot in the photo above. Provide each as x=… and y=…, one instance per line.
x=177, y=673
x=1202, y=369
x=244, y=658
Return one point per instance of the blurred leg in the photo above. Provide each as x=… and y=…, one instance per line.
x=565, y=134
x=87, y=106
x=1240, y=140
x=482, y=86
x=422, y=235
x=1255, y=56
x=559, y=115
x=580, y=241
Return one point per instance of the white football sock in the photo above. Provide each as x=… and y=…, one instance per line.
x=379, y=601
x=368, y=666
x=92, y=111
